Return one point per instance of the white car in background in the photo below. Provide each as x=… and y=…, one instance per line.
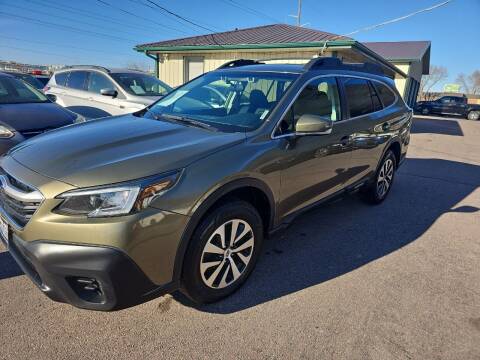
x=95, y=91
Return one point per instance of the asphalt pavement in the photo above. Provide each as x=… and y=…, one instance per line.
x=345, y=281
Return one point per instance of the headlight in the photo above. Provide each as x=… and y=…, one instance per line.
x=115, y=200
x=5, y=133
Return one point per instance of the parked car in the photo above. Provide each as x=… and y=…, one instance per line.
x=37, y=84
x=181, y=194
x=43, y=79
x=450, y=105
x=26, y=112
x=95, y=91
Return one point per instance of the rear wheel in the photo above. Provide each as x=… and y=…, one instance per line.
x=473, y=115
x=378, y=190
x=222, y=252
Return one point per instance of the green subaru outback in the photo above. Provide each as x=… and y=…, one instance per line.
x=180, y=195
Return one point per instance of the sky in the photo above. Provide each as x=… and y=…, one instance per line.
x=104, y=32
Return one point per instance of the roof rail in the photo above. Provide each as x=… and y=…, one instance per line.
x=335, y=63
x=239, y=62
x=86, y=67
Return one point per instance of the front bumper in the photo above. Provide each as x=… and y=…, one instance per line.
x=89, y=277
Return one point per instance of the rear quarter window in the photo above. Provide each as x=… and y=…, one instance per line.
x=386, y=95
x=61, y=78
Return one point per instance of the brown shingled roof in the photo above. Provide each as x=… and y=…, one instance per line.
x=268, y=34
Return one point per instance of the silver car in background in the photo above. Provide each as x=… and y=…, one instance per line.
x=95, y=91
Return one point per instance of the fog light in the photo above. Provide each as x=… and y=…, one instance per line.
x=87, y=289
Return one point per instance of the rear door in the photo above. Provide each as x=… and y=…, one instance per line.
x=314, y=166
x=75, y=96
x=367, y=108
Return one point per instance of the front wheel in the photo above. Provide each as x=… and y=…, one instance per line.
x=222, y=252
x=378, y=190
x=473, y=115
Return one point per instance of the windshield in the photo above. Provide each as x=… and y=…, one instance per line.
x=30, y=79
x=14, y=91
x=141, y=84
x=240, y=101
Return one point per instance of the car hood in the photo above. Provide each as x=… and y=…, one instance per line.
x=118, y=149
x=35, y=116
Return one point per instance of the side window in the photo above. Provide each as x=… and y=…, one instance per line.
x=97, y=82
x=61, y=78
x=359, y=99
x=77, y=80
x=320, y=97
x=386, y=95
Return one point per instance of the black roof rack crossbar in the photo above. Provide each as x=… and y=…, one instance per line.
x=240, y=62
x=86, y=66
x=335, y=63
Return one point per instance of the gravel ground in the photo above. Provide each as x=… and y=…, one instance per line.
x=346, y=280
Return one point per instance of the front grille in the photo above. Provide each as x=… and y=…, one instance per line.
x=19, y=201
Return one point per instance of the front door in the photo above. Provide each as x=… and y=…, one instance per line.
x=315, y=166
x=102, y=105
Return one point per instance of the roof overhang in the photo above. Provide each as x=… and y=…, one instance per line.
x=333, y=45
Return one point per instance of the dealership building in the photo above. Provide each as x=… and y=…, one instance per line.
x=180, y=60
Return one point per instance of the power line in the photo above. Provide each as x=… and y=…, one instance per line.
x=64, y=27
x=371, y=27
x=57, y=45
x=174, y=18
x=249, y=10
x=66, y=18
x=138, y=16
x=37, y=51
x=399, y=18
x=82, y=12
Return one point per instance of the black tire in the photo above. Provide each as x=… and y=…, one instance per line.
x=193, y=283
x=473, y=115
x=372, y=193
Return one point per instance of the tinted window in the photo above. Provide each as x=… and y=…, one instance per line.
x=386, y=95
x=358, y=96
x=14, y=91
x=77, y=79
x=377, y=105
x=61, y=78
x=97, y=82
x=141, y=84
x=319, y=97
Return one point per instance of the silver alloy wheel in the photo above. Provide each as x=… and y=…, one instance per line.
x=385, y=177
x=227, y=253
x=473, y=115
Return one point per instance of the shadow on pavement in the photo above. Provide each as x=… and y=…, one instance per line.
x=340, y=237
x=8, y=266
x=436, y=126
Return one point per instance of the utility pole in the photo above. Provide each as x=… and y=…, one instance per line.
x=299, y=13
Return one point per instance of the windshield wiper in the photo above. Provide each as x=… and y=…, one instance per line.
x=185, y=120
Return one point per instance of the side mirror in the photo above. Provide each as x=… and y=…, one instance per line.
x=313, y=125
x=51, y=97
x=109, y=92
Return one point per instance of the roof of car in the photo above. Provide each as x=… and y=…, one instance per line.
x=6, y=74
x=100, y=68
x=287, y=68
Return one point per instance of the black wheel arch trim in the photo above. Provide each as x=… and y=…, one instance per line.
x=206, y=204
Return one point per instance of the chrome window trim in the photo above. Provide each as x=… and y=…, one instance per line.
x=272, y=134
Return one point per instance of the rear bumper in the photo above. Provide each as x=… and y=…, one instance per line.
x=89, y=277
